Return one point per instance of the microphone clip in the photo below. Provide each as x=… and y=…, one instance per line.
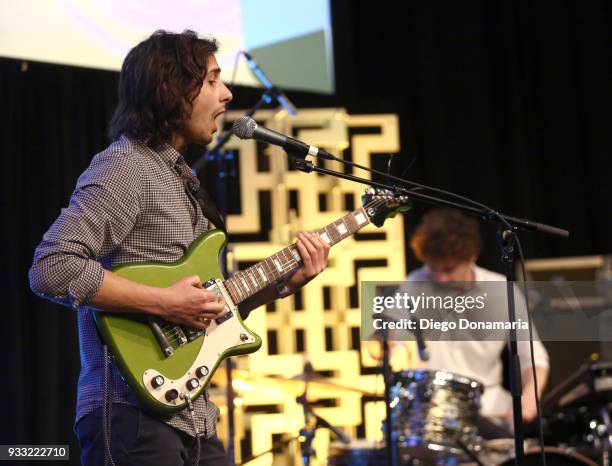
x=302, y=164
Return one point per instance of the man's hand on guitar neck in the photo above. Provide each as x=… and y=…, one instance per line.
x=314, y=253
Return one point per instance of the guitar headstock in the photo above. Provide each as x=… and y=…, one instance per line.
x=381, y=204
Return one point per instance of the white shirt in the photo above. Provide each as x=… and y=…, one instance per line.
x=480, y=360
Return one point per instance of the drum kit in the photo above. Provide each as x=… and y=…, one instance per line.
x=435, y=421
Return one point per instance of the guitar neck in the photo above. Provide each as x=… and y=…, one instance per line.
x=245, y=283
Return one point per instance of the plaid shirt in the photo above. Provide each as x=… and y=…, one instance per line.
x=132, y=204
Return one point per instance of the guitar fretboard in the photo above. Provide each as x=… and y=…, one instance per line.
x=245, y=283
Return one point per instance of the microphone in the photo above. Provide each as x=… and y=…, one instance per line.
x=276, y=92
x=418, y=334
x=246, y=128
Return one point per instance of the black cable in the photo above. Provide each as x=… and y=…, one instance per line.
x=196, y=431
x=107, y=405
x=531, y=351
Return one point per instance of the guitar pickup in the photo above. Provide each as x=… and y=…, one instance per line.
x=228, y=315
x=181, y=338
x=218, y=288
x=192, y=333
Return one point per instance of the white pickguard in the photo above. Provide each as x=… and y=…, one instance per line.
x=218, y=339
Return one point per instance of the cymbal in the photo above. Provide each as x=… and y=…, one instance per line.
x=315, y=381
x=294, y=385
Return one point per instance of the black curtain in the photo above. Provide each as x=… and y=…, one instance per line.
x=508, y=102
x=53, y=121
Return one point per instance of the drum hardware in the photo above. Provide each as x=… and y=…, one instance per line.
x=243, y=380
x=600, y=433
x=590, y=385
x=554, y=457
x=428, y=410
x=313, y=421
x=587, y=429
x=469, y=453
x=433, y=417
x=578, y=411
x=276, y=448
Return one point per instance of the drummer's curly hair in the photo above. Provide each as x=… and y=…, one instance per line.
x=159, y=80
x=446, y=234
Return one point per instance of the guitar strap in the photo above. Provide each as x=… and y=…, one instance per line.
x=193, y=185
x=209, y=208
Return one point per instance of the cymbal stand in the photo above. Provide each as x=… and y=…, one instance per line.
x=313, y=422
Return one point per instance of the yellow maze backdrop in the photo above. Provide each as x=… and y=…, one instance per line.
x=265, y=407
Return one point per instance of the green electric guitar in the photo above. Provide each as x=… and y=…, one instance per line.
x=167, y=364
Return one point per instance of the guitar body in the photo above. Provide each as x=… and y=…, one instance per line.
x=137, y=351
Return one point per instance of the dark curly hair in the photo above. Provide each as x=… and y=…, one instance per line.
x=160, y=78
x=446, y=234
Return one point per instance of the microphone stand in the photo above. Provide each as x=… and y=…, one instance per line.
x=280, y=97
x=309, y=430
x=307, y=433
x=390, y=433
x=507, y=240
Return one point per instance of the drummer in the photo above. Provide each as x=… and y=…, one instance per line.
x=448, y=243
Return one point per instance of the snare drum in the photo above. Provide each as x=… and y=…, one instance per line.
x=434, y=411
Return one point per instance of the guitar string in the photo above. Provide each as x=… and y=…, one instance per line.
x=234, y=285
x=292, y=261
x=289, y=265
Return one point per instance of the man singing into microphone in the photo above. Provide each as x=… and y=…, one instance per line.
x=138, y=201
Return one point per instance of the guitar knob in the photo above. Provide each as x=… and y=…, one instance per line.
x=202, y=371
x=157, y=381
x=171, y=395
x=192, y=384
